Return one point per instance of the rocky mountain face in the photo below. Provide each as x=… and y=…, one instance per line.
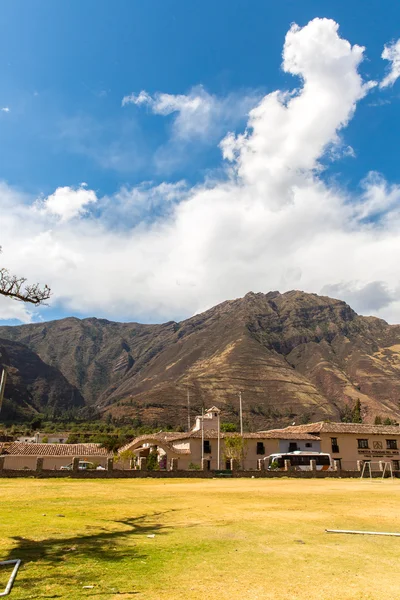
x=32, y=385
x=294, y=357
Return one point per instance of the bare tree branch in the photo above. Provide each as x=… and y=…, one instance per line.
x=16, y=288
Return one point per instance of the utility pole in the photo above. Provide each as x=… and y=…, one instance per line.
x=188, y=407
x=202, y=435
x=219, y=442
x=2, y=385
x=241, y=413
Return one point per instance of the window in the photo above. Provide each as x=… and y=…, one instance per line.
x=323, y=460
x=292, y=447
x=308, y=445
x=207, y=447
x=395, y=464
x=335, y=446
x=362, y=444
x=391, y=444
x=260, y=448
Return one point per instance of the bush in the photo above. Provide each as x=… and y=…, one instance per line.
x=194, y=467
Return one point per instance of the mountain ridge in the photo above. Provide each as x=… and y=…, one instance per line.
x=293, y=355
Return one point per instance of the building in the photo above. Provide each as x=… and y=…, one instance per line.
x=352, y=442
x=51, y=438
x=19, y=455
x=206, y=442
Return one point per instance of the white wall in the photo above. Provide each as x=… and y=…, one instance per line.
x=301, y=445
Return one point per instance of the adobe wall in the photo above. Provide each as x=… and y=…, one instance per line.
x=136, y=474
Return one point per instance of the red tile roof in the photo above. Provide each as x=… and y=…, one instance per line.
x=166, y=439
x=32, y=449
x=355, y=428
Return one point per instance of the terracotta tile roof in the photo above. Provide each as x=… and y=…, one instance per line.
x=78, y=450
x=355, y=428
x=157, y=438
x=259, y=435
x=162, y=436
x=166, y=439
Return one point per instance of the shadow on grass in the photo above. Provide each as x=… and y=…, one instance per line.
x=102, y=544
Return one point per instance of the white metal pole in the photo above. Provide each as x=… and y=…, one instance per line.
x=188, y=408
x=241, y=413
x=202, y=434
x=219, y=443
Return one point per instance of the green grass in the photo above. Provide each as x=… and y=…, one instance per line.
x=228, y=539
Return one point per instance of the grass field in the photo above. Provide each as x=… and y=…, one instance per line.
x=229, y=539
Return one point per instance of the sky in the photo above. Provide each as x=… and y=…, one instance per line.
x=160, y=157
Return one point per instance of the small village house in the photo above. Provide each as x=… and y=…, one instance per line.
x=19, y=455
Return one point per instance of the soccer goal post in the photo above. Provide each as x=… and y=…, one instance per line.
x=384, y=468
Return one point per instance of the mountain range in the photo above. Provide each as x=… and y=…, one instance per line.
x=294, y=356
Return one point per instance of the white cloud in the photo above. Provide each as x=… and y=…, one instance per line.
x=198, y=113
x=271, y=222
x=14, y=310
x=391, y=53
x=67, y=203
x=5, y=109
x=142, y=98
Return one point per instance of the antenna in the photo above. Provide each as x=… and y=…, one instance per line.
x=241, y=413
x=188, y=407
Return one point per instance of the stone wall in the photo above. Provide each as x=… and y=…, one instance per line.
x=135, y=474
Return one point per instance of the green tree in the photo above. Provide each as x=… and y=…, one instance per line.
x=356, y=413
x=378, y=420
x=235, y=447
x=126, y=455
x=228, y=427
x=346, y=414
x=152, y=461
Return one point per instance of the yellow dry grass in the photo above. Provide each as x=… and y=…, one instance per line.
x=228, y=539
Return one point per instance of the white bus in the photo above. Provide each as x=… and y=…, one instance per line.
x=299, y=460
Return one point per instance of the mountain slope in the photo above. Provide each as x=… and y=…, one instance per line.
x=32, y=385
x=293, y=356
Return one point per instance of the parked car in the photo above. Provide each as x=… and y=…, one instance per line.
x=82, y=466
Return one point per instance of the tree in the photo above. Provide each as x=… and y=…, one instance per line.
x=228, y=427
x=126, y=455
x=357, y=418
x=235, y=447
x=350, y=414
x=17, y=288
x=152, y=461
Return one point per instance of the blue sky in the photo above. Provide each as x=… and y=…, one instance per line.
x=65, y=68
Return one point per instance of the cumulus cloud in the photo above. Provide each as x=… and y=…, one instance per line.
x=391, y=53
x=271, y=222
x=5, y=109
x=67, y=203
